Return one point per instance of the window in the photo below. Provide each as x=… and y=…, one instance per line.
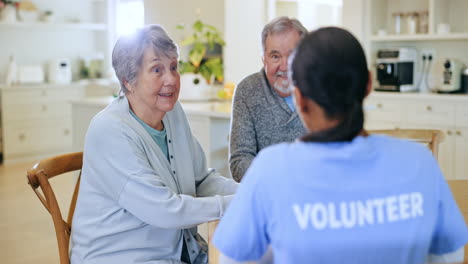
x=129, y=16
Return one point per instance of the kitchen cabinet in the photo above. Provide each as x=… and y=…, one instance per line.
x=388, y=17
x=381, y=21
x=213, y=135
x=74, y=33
x=36, y=120
x=448, y=113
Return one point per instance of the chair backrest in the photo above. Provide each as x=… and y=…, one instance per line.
x=459, y=190
x=431, y=137
x=38, y=176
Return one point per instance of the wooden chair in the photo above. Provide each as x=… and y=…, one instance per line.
x=38, y=176
x=459, y=190
x=431, y=137
x=213, y=253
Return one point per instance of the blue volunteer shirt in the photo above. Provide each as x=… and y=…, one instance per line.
x=373, y=200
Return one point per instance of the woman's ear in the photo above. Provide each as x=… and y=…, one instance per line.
x=301, y=104
x=128, y=86
x=369, y=85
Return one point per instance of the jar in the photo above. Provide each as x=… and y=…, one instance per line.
x=412, y=22
x=8, y=13
x=397, y=22
x=424, y=22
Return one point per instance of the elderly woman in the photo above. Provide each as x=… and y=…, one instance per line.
x=145, y=185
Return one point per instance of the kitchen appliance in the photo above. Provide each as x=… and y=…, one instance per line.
x=396, y=70
x=464, y=81
x=60, y=71
x=452, y=72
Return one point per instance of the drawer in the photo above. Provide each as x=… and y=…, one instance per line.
x=431, y=113
x=20, y=138
x=378, y=111
x=461, y=116
x=27, y=96
x=31, y=111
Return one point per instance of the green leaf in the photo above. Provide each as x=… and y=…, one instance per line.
x=206, y=73
x=188, y=41
x=180, y=26
x=215, y=66
x=186, y=67
x=197, y=53
x=198, y=26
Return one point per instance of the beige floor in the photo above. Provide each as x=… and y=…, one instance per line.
x=26, y=230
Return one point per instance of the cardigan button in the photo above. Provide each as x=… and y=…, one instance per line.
x=172, y=157
x=169, y=141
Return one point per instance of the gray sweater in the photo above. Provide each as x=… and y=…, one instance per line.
x=260, y=118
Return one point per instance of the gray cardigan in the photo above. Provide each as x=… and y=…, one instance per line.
x=260, y=118
x=134, y=205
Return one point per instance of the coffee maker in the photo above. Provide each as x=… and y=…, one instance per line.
x=452, y=76
x=396, y=70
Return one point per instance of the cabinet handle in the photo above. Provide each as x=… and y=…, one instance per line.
x=379, y=105
x=44, y=93
x=429, y=108
x=449, y=132
x=458, y=133
x=21, y=137
x=44, y=108
x=66, y=132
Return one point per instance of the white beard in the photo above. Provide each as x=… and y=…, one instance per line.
x=282, y=86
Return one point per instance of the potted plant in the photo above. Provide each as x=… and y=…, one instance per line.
x=202, y=68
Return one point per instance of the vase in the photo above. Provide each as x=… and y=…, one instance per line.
x=8, y=14
x=193, y=87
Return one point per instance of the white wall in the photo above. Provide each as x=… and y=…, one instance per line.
x=355, y=19
x=170, y=13
x=244, y=21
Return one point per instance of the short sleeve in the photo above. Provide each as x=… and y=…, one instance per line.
x=242, y=233
x=451, y=232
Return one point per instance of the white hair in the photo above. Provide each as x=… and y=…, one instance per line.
x=280, y=25
x=127, y=56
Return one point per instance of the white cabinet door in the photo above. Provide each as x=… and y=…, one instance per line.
x=461, y=153
x=212, y=134
x=382, y=110
x=200, y=126
x=431, y=113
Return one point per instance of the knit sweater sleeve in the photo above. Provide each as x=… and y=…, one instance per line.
x=243, y=140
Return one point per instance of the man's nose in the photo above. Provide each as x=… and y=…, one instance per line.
x=284, y=63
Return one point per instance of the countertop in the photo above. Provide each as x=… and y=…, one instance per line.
x=217, y=109
x=222, y=109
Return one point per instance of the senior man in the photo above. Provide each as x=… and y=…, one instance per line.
x=263, y=109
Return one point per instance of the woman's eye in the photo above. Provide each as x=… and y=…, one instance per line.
x=156, y=70
x=174, y=68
